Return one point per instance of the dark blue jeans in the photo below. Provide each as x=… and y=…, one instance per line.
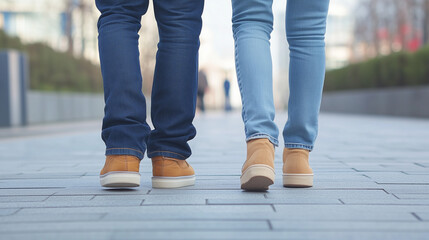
x=174, y=91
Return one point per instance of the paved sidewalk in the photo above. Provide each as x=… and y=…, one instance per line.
x=372, y=182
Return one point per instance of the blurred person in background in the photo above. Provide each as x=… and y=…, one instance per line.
x=203, y=86
x=305, y=29
x=125, y=131
x=226, y=88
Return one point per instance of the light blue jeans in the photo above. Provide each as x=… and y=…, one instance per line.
x=305, y=30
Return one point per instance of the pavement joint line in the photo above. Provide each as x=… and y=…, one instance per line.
x=273, y=207
x=15, y=212
x=417, y=217
x=270, y=226
x=31, y=188
x=341, y=201
x=141, y=203
x=67, y=195
x=155, y=230
x=420, y=165
x=366, y=176
x=388, y=193
x=416, y=184
x=396, y=196
x=380, y=204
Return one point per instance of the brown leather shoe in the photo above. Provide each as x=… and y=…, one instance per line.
x=171, y=173
x=120, y=171
x=258, y=170
x=296, y=169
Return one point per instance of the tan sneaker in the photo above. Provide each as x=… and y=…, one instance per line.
x=296, y=169
x=171, y=173
x=258, y=170
x=120, y=171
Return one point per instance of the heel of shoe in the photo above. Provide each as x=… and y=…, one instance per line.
x=257, y=177
x=173, y=182
x=298, y=180
x=120, y=179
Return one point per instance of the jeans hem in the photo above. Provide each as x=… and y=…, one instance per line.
x=272, y=139
x=125, y=151
x=166, y=154
x=299, y=145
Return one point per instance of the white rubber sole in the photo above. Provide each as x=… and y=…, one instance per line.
x=173, y=182
x=120, y=179
x=257, y=177
x=298, y=180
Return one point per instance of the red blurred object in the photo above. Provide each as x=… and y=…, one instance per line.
x=414, y=44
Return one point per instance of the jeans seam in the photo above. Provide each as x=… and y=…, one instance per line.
x=167, y=152
x=237, y=66
x=107, y=149
x=299, y=144
x=254, y=136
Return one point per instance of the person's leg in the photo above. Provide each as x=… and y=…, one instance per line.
x=124, y=128
x=305, y=29
x=174, y=91
x=252, y=26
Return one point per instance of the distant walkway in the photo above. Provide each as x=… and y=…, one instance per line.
x=372, y=182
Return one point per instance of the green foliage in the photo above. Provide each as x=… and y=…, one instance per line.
x=52, y=70
x=397, y=69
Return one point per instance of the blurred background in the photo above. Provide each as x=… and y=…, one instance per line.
x=377, y=59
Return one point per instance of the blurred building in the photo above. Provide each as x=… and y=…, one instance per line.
x=68, y=25
x=339, y=33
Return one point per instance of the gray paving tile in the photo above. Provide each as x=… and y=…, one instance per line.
x=394, y=226
x=97, y=190
x=317, y=201
x=69, y=198
x=343, y=212
x=273, y=235
x=182, y=225
x=50, y=218
x=412, y=196
x=164, y=212
x=28, y=192
x=47, y=183
x=39, y=175
x=22, y=198
x=122, y=197
x=390, y=201
x=405, y=188
x=315, y=193
x=102, y=235
x=68, y=203
x=174, y=199
x=398, y=177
